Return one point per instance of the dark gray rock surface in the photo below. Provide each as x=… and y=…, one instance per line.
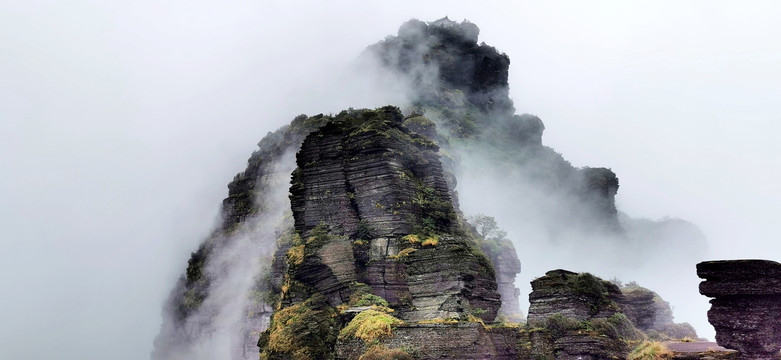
x=651, y=314
x=467, y=341
x=575, y=296
x=462, y=85
x=746, y=305
x=367, y=177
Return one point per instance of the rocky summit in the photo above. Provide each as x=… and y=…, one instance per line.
x=380, y=243
x=368, y=179
x=462, y=86
x=343, y=237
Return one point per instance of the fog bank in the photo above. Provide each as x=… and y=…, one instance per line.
x=121, y=124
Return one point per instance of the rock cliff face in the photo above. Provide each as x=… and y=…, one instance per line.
x=373, y=171
x=222, y=277
x=575, y=296
x=651, y=314
x=746, y=309
x=379, y=241
x=640, y=307
x=375, y=256
x=366, y=177
x=463, y=87
x=369, y=186
x=579, y=317
x=507, y=267
x=442, y=341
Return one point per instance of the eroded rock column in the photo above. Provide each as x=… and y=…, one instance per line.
x=746, y=305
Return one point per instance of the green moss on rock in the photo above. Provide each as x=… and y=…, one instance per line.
x=303, y=331
x=370, y=325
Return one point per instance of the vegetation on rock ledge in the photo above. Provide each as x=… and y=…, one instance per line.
x=370, y=325
x=303, y=331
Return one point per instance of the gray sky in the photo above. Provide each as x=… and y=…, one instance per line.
x=121, y=124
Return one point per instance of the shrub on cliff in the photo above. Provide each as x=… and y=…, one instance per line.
x=650, y=350
x=592, y=287
x=301, y=331
x=370, y=325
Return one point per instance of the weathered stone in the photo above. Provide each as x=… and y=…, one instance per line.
x=739, y=277
x=355, y=172
x=639, y=306
x=375, y=218
x=467, y=341
x=545, y=343
x=507, y=267
x=582, y=317
x=462, y=85
x=366, y=177
x=450, y=280
x=330, y=269
x=587, y=347
x=575, y=296
x=651, y=314
x=746, y=309
x=252, y=198
x=700, y=350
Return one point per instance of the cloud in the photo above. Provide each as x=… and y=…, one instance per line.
x=122, y=123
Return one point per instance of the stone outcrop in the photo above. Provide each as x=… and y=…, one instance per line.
x=507, y=267
x=575, y=296
x=640, y=307
x=463, y=341
x=654, y=316
x=462, y=85
x=377, y=227
x=253, y=200
x=746, y=305
x=579, y=317
x=700, y=350
x=445, y=54
x=366, y=177
x=371, y=171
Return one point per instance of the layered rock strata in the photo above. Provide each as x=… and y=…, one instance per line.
x=376, y=227
x=700, y=350
x=575, y=296
x=507, y=267
x=578, y=317
x=462, y=85
x=366, y=177
x=463, y=341
x=363, y=241
x=251, y=211
x=746, y=305
x=654, y=316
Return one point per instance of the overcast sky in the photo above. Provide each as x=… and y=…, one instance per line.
x=121, y=124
